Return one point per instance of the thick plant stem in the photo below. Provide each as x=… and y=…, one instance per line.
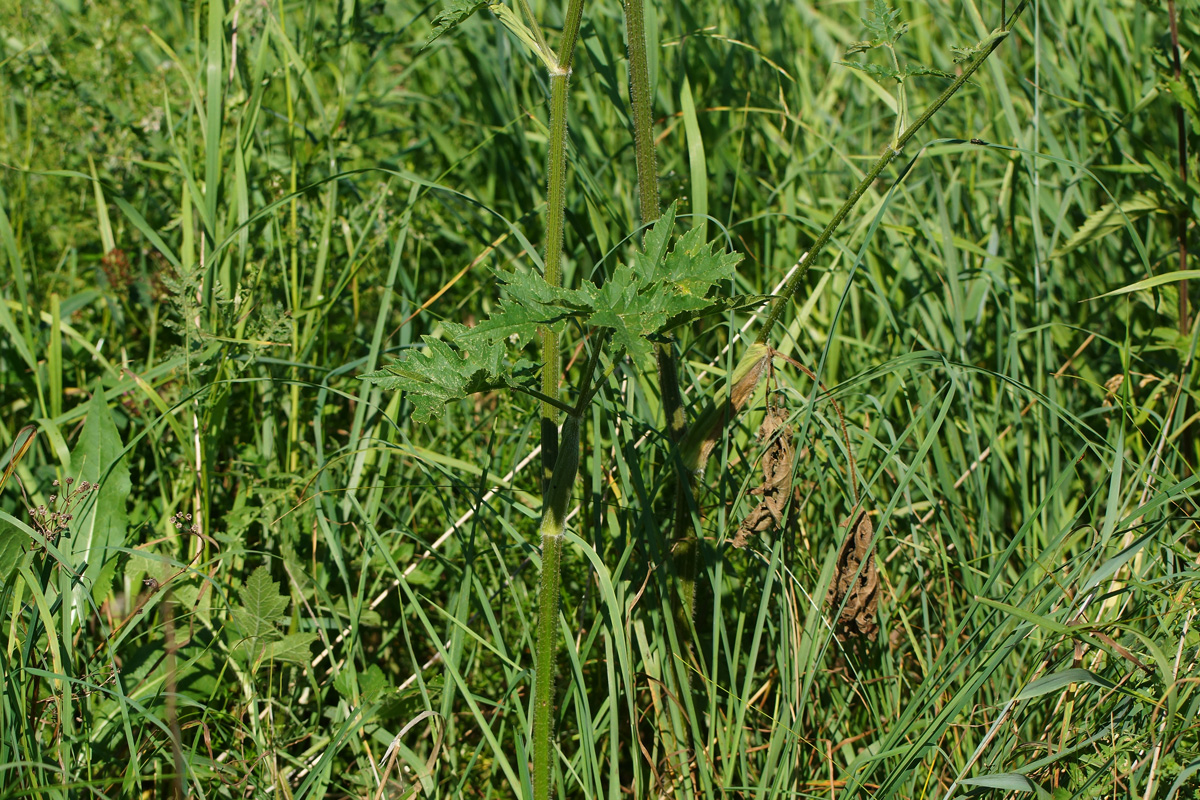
x=560, y=457
x=785, y=297
x=554, y=515
x=547, y=644
x=685, y=544
x=556, y=197
x=648, y=200
x=639, y=95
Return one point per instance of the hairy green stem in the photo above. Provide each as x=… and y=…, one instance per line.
x=559, y=463
x=556, y=198
x=781, y=302
x=538, y=36
x=683, y=549
x=639, y=95
x=554, y=516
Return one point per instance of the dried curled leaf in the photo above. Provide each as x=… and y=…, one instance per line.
x=855, y=586
x=777, y=477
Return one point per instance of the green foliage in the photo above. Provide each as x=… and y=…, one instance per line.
x=883, y=22
x=100, y=526
x=1024, y=450
x=13, y=542
x=442, y=374
x=451, y=17
x=255, y=622
x=459, y=11
x=643, y=300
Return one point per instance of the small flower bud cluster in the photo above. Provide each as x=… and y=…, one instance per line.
x=53, y=518
x=183, y=521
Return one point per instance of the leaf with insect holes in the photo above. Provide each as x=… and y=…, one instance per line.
x=441, y=374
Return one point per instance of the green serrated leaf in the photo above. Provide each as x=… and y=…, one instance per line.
x=294, y=648
x=655, y=245
x=451, y=17
x=693, y=268
x=442, y=374
x=920, y=69
x=262, y=608
x=875, y=71
x=882, y=22
x=516, y=324
x=1109, y=218
x=659, y=291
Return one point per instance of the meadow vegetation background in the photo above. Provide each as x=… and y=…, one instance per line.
x=230, y=568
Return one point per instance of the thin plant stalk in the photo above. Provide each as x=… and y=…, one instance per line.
x=785, y=297
x=1181, y=134
x=698, y=443
x=559, y=464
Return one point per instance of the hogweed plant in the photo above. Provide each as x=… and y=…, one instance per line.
x=668, y=283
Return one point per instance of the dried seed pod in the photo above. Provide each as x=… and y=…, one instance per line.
x=855, y=586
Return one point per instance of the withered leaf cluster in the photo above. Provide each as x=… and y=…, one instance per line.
x=776, y=487
x=855, y=586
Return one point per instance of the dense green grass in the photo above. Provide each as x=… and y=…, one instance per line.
x=283, y=586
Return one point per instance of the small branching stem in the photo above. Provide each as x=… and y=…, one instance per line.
x=806, y=261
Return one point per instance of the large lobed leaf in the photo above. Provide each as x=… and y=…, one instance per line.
x=639, y=302
x=442, y=373
x=256, y=624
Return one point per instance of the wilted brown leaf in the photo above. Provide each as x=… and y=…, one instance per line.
x=856, y=584
x=777, y=477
